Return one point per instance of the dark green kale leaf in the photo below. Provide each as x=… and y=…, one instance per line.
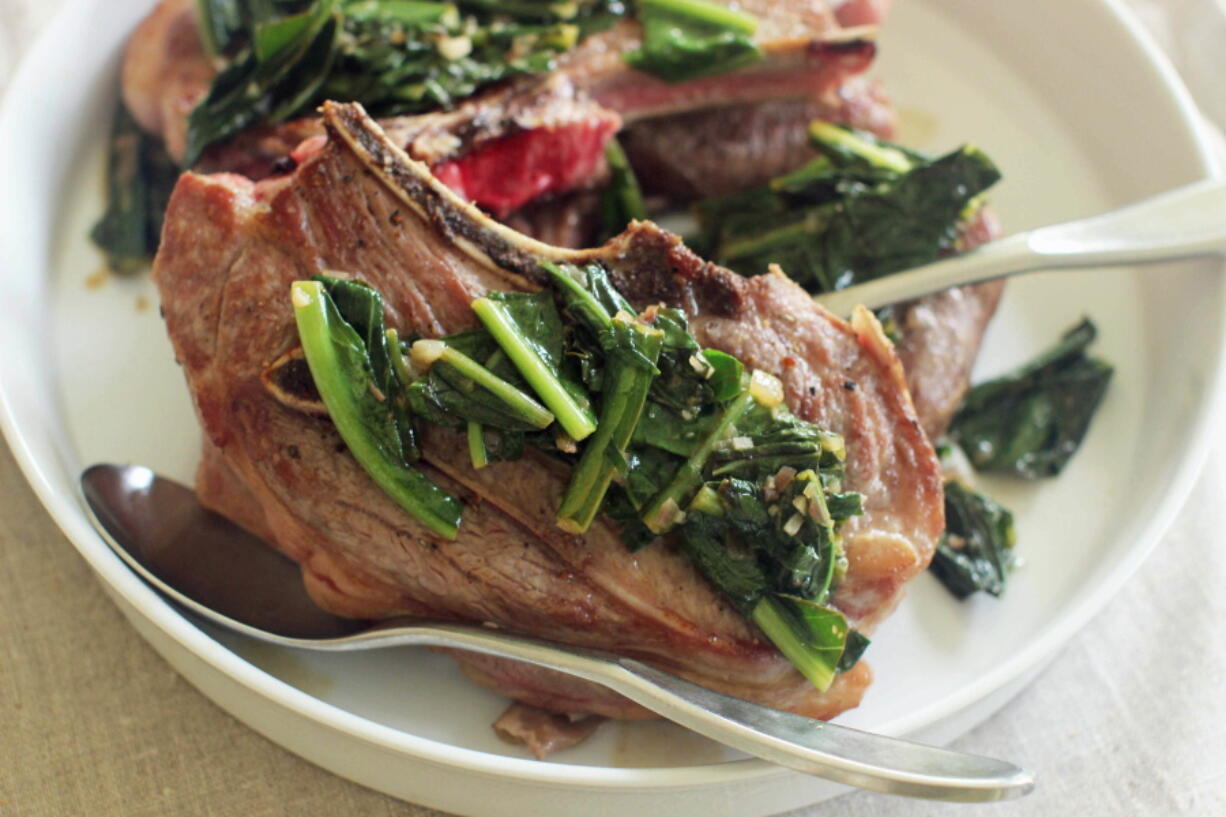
x=976, y=551
x=1030, y=422
x=621, y=200
x=280, y=70
x=770, y=439
x=862, y=209
x=812, y=636
x=393, y=56
x=139, y=179
x=709, y=539
x=774, y=550
x=854, y=647
x=221, y=24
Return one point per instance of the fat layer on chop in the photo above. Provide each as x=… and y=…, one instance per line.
x=230, y=250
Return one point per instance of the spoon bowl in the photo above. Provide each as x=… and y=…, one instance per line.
x=224, y=574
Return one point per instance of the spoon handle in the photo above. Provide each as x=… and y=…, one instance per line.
x=837, y=753
x=1184, y=222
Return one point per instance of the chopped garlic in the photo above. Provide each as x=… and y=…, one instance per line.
x=701, y=365
x=424, y=353
x=670, y=514
x=766, y=388
x=742, y=443
x=454, y=48
x=792, y=526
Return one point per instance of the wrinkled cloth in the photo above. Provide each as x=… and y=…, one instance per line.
x=93, y=722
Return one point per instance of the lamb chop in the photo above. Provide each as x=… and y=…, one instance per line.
x=230, y=250
x=809, y=55
x=686, y=141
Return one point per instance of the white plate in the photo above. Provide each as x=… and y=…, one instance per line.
x=86, y=374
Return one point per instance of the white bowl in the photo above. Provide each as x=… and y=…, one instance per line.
x=1078, y=108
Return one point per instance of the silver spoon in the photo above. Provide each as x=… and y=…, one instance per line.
x=1185, y=222
x=220, y=572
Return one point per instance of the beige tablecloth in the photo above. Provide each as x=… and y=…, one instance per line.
x=1129, y=720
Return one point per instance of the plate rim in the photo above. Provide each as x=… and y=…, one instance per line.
x=66, y=510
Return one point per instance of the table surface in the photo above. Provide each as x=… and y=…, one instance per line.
x=1128, y=720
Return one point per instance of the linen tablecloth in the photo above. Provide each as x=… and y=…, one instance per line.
x=1130, y=719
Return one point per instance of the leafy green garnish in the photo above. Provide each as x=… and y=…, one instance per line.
x=686, y=439
x=813, y=637
x=855, y=646
x=281, y=66
x=457, y=390
x=775, y=553
x=621, y=201
x=361, y=307
x=976, y=551
x=1030, y=422
x=527, y=329
x=864, y=208
x=628, y=349
x=345, y=377
x=687, y=39
x=139, y=179
x=393, y=56
x=221, y=24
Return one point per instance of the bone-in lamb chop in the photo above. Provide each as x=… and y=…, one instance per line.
x=359, y=204
x=808, y=52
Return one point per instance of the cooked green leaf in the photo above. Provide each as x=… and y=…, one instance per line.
x=976, y=551
x=361, y=307
x=621, y=201
x=221, y=25
x=139, y=180
x=457, y=390
x=687, y=39
x=393, y=56
x=862, y=209
x=632, y=349
x=856, y=644
x=685, y=440
x=811, y=636
x=344, y=375
x=1030, y=422
x=527, y=328
x=254, y=90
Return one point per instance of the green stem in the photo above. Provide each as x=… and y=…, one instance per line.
x=325, y=336
x=524, y=407
x=801, y=226
x=662, y=512
x=705, y=11
x=812, y=637
x=824, y=134
x=397, y=355
x=476, y=445
x=629, y=384
x=578, y=298
x=570, y=415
